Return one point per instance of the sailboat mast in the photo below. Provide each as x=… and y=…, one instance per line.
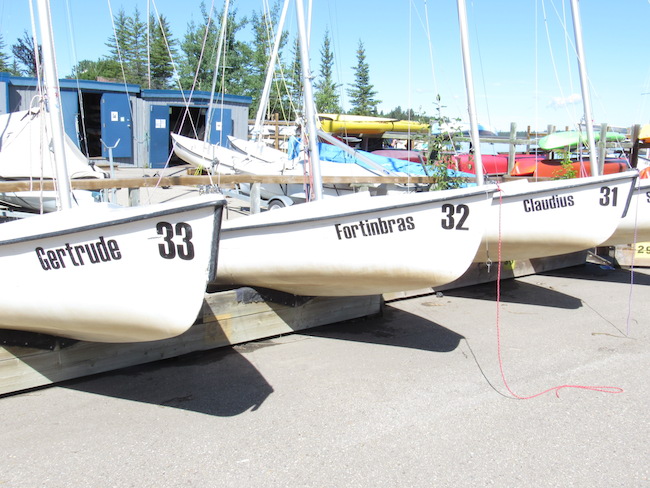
x=222, y=37
x=310, y=108
x=53, y=104
x=469, y=87
x=264, y=99
x=584, y=84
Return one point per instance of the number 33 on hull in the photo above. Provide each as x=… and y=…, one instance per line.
x=110, y=274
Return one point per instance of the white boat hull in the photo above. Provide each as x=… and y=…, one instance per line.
x=260, y=150
x=356, y=245
x=221, y=159
x=110, y=274
x=27, y=153
x=227, y=161
x=635, y=226
x=533, y=220
x=42, y=202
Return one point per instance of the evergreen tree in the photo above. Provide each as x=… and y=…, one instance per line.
x=361, y=93
x=101, y=70
x=399, y=113
x=263, y=41
x=129, y=46
x=237, y=57
x=199, y=46
x=25, y=54
x=5, y=64
x=196, y=64
x=294, y=82
x=118, y=42
x=327, y=96
x=162, y=52
x=136, y=52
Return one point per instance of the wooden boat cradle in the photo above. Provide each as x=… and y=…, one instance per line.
x=227, y=318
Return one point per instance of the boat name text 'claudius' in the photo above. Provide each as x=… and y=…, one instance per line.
x=366, y=228
x=535, y=204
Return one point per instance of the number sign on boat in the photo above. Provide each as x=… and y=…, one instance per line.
x=103, y=250
x=170, y=250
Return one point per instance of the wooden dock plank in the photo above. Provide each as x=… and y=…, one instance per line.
x=227, y=318
x=629, y=255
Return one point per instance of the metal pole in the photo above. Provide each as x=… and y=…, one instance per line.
x=310, y=108
x=266, y=91
x=53, y=104
x=222, y=36
x=111, y=192
x=512, y=149
x=584, y=84
x=469, y=85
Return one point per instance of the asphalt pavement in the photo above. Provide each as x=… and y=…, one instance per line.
x=430, y=394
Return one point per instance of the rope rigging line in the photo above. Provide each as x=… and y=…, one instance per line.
x=40, y=98
x=556, y=389
x=628, y=320
x=75, y=59
x=553, y=62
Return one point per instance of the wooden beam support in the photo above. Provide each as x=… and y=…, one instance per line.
x=188, y=180
x=227, y=318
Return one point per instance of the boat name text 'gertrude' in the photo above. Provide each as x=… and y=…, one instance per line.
x=100, y=251
x=109, y=250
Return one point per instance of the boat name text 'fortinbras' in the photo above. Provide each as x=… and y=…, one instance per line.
x=378, y=226
x=95, y=252
x=535, y=204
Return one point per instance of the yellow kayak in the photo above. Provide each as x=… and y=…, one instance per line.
x=360, y=124
x=644, y=134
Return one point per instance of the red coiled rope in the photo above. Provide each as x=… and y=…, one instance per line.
x=556, y=389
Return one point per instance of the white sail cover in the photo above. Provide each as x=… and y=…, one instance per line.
x=25, y=151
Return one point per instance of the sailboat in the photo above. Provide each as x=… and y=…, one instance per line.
x=635, y=225
x=25, y=156
x=105, y=273
x=537, y=219
x=270, y=162
x=357, y=244
x=255, y=157
x=548, y=218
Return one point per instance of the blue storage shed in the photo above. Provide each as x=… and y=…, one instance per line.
x=135, y=123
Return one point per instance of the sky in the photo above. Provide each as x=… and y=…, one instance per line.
x=522, y=51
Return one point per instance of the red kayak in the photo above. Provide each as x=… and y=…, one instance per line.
x=492, y=164
x=405, y=154
x=535, y=165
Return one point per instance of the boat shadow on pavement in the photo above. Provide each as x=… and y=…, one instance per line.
x=219, y=382
x=515, y=290
x=394, y=328
x=604, y=273
x=223, y=382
